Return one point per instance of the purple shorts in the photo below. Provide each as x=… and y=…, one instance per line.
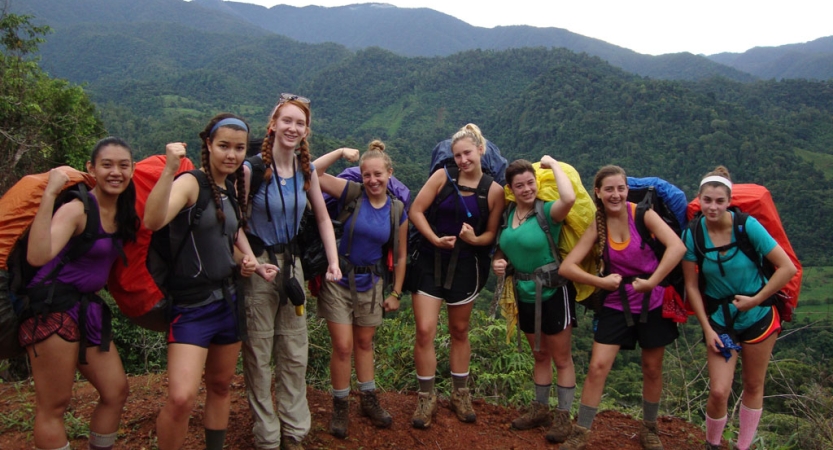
x=214, y=323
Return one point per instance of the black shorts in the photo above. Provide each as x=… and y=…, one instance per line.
x=613, y=329
x=557, y=312
x=469, y=277
x=759, y=331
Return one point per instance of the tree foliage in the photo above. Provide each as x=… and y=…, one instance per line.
x=43, y=121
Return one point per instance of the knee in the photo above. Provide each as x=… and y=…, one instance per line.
x=598, y=369
x=459, y=332
x=220, y=386
x=652, y=372
x=364, y=345
x=541, y=357
x=719, y=393
x=563, y=363
x=342, y=351
x=116, y=395
x=55, y=406
x=425, y=336
x=179, y=405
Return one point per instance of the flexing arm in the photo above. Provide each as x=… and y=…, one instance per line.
x=325, y=228
x=324, y=162
x=674, y=251
x=567, y=195
x=48, y=234
x=168, y=197
x=571, y=270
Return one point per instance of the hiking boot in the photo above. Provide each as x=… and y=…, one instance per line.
x=340, y=419
x=578, y=439
x=536, y=415
x=426, y=408
x=649, y=436
x=371, y=408
x=710, y=446
x=561, y=427
x=290, y=443
x=461, y=405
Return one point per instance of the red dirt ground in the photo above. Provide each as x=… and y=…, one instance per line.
x=611, y=430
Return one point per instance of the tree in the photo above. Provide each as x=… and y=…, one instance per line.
x=43, y=121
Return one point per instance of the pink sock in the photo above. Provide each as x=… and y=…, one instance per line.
x=749, y=419
x=714, y=429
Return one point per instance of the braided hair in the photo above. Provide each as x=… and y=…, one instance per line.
x=601, y=215
x=206, y=135
x=303, y=148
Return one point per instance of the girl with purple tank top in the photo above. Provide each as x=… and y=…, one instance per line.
x=66, y=312
x=637, y=273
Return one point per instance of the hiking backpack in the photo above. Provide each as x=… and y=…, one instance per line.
x=754, y=200
x=581, y=216
x=18, y=208
x=140, y=288
x=491, y=162
x=669, y=202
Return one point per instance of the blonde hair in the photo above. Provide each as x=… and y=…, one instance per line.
x=472, y=132
x=376, y=149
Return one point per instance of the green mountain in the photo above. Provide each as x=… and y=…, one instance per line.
x=812, y=60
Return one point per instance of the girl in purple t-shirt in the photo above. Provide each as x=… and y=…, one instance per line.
x=54, y=336
x=623, y=322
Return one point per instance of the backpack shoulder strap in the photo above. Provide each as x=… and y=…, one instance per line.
x=351, y=199
x=204, y=196
x=256, y=179
x=540, y=214
x=744, y=243
x=642, y=207
x=397, y=208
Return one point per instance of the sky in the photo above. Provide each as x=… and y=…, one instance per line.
x=652, y=27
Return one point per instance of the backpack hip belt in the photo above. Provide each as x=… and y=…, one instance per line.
x=626, y=304
x=544, y=276
x=347, y=268
x=61, y=297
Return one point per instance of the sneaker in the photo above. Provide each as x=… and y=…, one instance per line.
x=578, y=439
x=561, y=427
x=461, y=405
x=649, y=436
x=536, y=415
x=426, y=408
x=290, y=443
x=340, y=419
x=371, y=408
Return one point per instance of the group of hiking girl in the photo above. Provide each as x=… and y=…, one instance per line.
x=250, y=228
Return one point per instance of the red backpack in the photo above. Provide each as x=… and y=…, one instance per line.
x=756, y=200
x=135, y=287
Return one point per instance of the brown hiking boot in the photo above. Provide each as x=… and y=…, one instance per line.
x=578, y=439
x=290, y=443
x=426, y=408
x=710, y=446
x=371, y=408
x=649, y=436
x=536, y=415
x=461, y=405
x=561, y=427
x=340, y=419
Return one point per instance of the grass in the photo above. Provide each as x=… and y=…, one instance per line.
x=816, y=291
x=821, y=161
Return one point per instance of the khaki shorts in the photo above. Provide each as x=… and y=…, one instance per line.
x=336, y=305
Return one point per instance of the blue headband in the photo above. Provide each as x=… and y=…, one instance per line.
x=229, y=121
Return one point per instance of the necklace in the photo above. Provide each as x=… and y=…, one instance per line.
x=282, y=180
x=526, y=216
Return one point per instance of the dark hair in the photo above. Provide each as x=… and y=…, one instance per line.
x=303, y=148
x=719, y=171
x=127, y=221
x=516, y=168
x=601, y=216
x=205, y=135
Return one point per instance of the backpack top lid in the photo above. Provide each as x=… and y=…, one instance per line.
x=672, y=197
x=132, y=286
x=581, y=216
x=19, y=205
x=492, y=162
x=756, y=201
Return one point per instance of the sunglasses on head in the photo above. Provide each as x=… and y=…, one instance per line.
x=289, y=97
